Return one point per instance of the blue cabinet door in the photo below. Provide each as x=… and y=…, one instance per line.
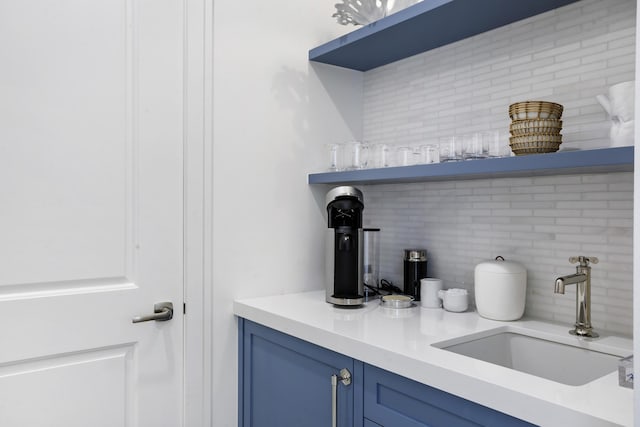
x=286, y=382
x=394, y=401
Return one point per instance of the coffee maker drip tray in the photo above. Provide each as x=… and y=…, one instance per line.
x=346, y=300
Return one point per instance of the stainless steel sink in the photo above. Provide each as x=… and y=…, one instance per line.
x=568, y=361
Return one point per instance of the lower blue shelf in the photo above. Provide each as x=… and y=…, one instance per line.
x=619, y=159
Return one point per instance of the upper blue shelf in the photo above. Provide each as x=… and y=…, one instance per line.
x=618, y=159
x=422, y=27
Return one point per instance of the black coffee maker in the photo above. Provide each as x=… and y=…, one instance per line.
x=344, y=247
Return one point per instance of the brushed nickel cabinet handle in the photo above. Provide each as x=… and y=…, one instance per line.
x=345, y=378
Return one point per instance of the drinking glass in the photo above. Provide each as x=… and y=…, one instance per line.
x=404, y=156
x=380, y=156
x=334, y=157
x=357, y=155
x=451, y=149
x=498, y=141
x=475, y=146
x=430, y=153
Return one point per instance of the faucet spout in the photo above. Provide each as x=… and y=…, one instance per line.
x=571, y=279
x=582, y=280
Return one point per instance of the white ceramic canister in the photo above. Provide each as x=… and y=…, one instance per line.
x=501, y=289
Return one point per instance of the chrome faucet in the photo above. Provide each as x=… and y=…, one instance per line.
x=582, y=280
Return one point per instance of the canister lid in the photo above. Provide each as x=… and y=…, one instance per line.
x=415, y=255
x=500, y=266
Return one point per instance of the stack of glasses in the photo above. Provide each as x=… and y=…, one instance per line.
x=356, y=155
x=535, y=127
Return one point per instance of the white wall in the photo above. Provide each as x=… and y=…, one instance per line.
x=272, y=114
x=568, y=56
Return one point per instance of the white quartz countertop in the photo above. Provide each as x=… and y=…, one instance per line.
x=400, y=341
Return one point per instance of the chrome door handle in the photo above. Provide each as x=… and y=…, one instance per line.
x=344, y=378
x=162, y=312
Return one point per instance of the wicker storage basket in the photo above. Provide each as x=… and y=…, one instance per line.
x=535, y=143
x=535, y=110
x=535, y=126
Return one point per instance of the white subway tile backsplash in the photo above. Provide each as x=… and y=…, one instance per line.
x=539, y=222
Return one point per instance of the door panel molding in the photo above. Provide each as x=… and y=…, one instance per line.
x=73, y=287
x=33, y=392
x=72, y=81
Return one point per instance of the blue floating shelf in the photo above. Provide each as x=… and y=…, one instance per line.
x=422, y=27
x=619, y=159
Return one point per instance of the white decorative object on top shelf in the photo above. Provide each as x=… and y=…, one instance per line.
x=360, y=12
x=363, y=12
x=394, y=6
x=619, y=105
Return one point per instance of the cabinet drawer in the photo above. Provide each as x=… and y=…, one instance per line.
x=394, y=401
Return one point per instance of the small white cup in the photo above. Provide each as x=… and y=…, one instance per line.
x=454, y=299
x=429, y=288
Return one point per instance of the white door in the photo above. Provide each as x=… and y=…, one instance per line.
x=91, y=212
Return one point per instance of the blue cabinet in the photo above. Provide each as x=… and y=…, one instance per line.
x=394, y=401
x=285, y=381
